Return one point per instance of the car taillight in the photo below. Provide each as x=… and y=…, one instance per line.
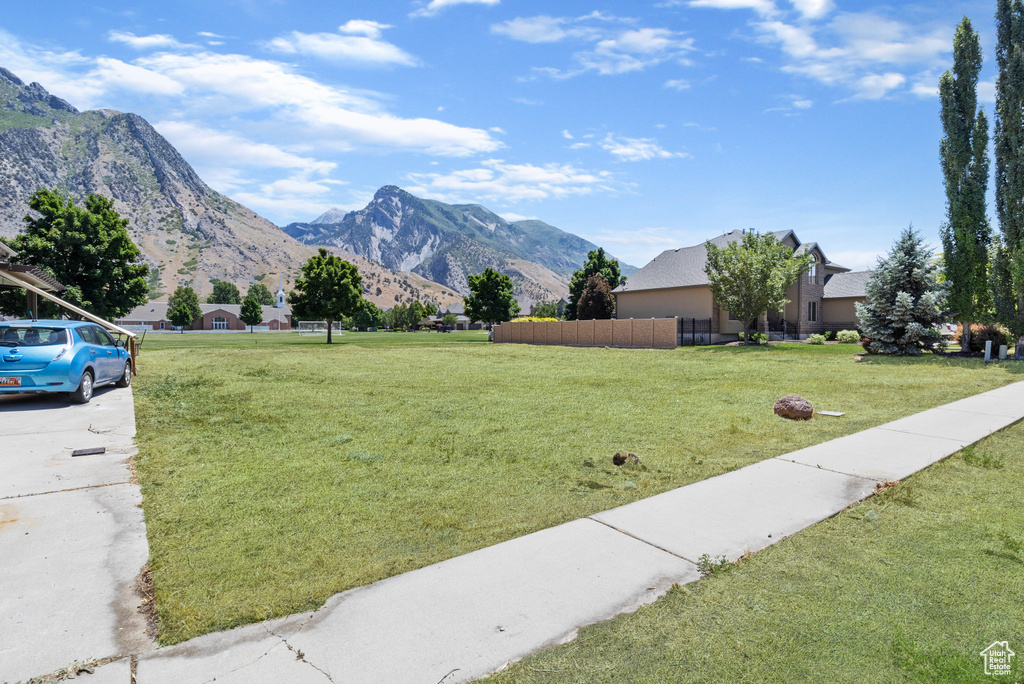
x=63, y=351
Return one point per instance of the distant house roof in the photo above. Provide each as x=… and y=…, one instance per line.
x=684, y=267
x=840, y=285
x=157, y=311
x=459, y=309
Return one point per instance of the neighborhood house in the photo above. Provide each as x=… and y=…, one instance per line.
x=153, y=316
x=675, y=284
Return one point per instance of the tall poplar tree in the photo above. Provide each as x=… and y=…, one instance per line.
x=964, y=153
x=1008, y=254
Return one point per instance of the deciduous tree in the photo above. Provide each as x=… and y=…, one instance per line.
x=224, y=293
x=905, y=300
x=183, y=307
x=328, y=289
x=87, y=249
x=597, y=264
x=1008, y=253
x=262, y=294
x=491, y=299
x=252, y=312
x=596, y=301
x=964, y=153
x=751, y=276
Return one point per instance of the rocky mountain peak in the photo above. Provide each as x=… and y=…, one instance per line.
x=32, y=96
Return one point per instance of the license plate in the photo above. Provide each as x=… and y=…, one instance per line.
x=10, y=382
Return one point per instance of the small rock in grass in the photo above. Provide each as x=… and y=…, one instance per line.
x=794, y=407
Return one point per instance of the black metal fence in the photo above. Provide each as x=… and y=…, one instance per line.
x=693, y=331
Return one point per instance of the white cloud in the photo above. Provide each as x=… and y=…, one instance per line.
x=877, y=86
x=363, y=27
x=499, y=181
x=366, y=48
x=677, y=84
x=208, y=148
x=539, y=29
x=987, y=91
x=803, y=104
x=436, y=6
x=152, y=42
x=339, y=118
x=566, y=134
x=207, y=34
x=114, y=72
x=812, y=9
x=512, y=218
x=637, y=149
x=762, y=7
x=612, y=48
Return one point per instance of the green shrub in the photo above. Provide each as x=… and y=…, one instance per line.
x=816, y=339
x=848, y=336
x=830, y=335
x=982, y=333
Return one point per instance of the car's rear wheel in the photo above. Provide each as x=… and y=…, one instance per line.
x=126, y=377
x=83, y=394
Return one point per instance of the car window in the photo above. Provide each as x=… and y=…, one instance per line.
x=104, y=337
x=88, y=334
x=32, y=336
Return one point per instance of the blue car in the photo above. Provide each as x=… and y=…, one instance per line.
x=61, y=356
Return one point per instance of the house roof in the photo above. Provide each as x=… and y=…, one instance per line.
x=684, y=267
x=840, y=285
x=157, y=311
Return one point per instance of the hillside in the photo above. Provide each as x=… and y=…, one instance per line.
x=446, y=243
x=188, y=233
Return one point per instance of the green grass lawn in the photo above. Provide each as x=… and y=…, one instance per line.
x=909, y=586
x=277, y=474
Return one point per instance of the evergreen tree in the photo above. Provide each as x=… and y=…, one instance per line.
x=963, y=151
x=1008, y=254
x=905, y=301
x=252, y=313
x=597, y=264
x=596, y=301
x=183, y=307
x=491, y=299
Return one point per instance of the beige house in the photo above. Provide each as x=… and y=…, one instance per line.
x=675, y=284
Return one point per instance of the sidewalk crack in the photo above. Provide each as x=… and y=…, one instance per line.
x=299, y=655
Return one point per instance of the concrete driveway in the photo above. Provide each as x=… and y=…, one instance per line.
x=72, y=535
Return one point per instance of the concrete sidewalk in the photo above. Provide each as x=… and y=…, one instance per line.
x=467, y=617
x=72, y=537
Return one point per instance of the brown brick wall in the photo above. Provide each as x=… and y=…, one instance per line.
x=665, y=333
x=585, y=333
x=622, y=333
x=636, y=333
x=602, y=333
x=643, y=332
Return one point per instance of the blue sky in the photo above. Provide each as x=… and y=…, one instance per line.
x=641, y=126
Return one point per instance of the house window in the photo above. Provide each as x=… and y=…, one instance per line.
x=732, y=316
x=220, y=323
x=812, y=312
x=812, y=274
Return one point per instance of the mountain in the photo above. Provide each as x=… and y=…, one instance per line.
x=186, y=230
x=446, y=243
x=188, y=233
